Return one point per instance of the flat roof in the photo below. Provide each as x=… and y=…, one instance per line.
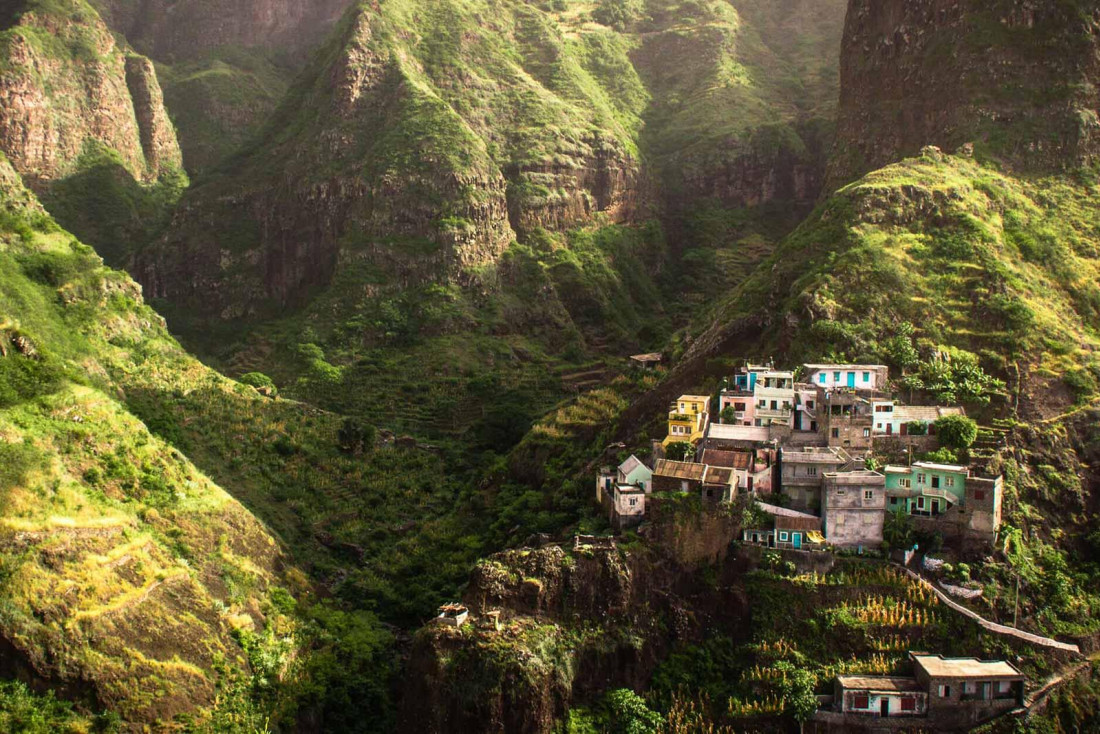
x=738, y=433
x=890, y=683
x=894, y=469
x=680, y=469
x=937, y=666
x=845, y=366
x=940, y=467
x=693, y=398
x=813, y=456
x=652, y=357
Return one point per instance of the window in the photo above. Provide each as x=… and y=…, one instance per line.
x=907, y=483
x=878, y=426
x=949, y=481
x=866, y=376
x=893, y=500
x=821, y=377
x=969, y=687
x=783, y=536
x=935, y=482
x=920, y=478
x=866, y=432
x=868, y=494
x=979, y=495
x=920, y=503
x=762, y=404
x=908, y=703
x=633, y=503
x=861, y=701
x=786, y=405
x=836, y=377
x=775, y=405
x=811, y=471
x=945, y=691
x=836, y=433
x=739, y=407
x=810, y=404
x=1003, y=686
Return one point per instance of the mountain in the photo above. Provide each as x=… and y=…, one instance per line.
x=123, y=563
x=83, y=121
x=424, y=139
x=1016, y=79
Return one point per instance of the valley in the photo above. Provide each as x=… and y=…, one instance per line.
x=317, y=316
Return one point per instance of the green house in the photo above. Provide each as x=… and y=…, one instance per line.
x=925, y=488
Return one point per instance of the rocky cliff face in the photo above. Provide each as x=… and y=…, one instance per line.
x=65, y=85
x=1018, y=78
x=190, y=29
x=566, y=626
x=399, y=151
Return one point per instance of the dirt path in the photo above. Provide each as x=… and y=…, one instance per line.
x=999, y=629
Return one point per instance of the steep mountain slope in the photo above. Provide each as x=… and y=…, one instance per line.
x=119, y=556
x=426, y=137
x=1018, y=79
x=83, y=120
x=224, y=66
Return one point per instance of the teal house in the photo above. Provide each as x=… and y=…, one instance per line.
x=924, y=488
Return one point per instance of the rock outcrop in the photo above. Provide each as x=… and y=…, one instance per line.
x=396, y=159
x=1018, y=78
x=65, y=85
x=189, y=29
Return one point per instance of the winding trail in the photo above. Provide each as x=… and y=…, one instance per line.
x=986, y=624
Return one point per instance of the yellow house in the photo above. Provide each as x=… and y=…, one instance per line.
x=687, y=419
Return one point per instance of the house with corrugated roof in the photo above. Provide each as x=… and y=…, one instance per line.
x=891, y=418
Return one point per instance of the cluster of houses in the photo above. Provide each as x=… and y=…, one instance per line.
x=807, y=442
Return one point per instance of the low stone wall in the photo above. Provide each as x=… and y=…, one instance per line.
x=805, y=561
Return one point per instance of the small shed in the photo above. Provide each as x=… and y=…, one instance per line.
x=453, y=615
x=649, y=361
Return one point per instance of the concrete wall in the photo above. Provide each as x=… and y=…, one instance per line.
x=852, y=518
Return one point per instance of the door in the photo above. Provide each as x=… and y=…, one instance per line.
x=851, y=379
x=889, y=429
x=885, y=705
x=796, y=540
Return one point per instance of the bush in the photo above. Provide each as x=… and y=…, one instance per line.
x=956, y=432
x=618, y=14
x=260, y=381
x=917, y=428
x=355, y=437
x=680, y=451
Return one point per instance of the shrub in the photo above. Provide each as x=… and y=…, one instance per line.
x=956, y=432
x=260, y=381
x=680, y=451
x=354, y=437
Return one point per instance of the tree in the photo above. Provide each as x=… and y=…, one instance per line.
x=956, y=432
x=799, y=699
x=680, y=451
x=728, y=415
x=353, y=436
x=618, y=14
x=897, y=531
x=629, y=714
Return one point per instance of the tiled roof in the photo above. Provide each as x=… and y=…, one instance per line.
x=892, y=684
x=730, y=459
x=718, y=475
x=926, y=413
x=813, y=456
x=630, y=464
x=680, y=470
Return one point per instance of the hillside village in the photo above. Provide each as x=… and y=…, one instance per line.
x=830, y=456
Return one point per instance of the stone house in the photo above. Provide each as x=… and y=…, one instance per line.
x=753, y=469
x=862, y=377
x=853, y=508
x=845, y=417
x=714, y=484
x=802, y=471
x=628, y=506
x=963, y=692
x=942, y=694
